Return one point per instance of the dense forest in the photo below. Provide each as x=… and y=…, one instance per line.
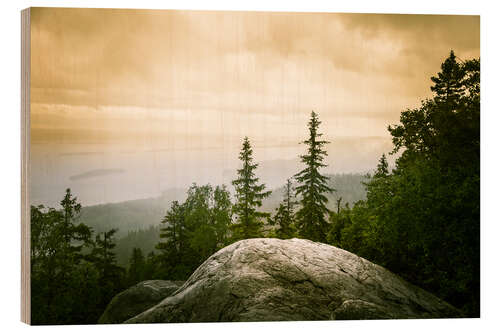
x=420, y=218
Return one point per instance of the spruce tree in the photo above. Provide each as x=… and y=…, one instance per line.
x=284, y=216
x=448, y=84
x=382, y=167
x=110, y=274
x=137, y=267
x=312, y=186
x=173, y=245
x=249, y=195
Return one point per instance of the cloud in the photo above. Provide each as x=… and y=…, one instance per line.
x=209, y=78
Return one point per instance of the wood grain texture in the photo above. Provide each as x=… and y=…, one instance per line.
x=25, y=165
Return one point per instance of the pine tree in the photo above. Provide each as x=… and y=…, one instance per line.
x=311, y=217
x=110, y=274
x=137, y=267
x=284, y=216
x=382, y=167
x=71, y=209
x=103, y=251
x=448, y=84
x=151, y=267
x=249, y=195
x=173, y=245
x=73, y=236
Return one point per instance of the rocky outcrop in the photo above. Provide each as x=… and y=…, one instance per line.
x=137, y=299
x=272, y=279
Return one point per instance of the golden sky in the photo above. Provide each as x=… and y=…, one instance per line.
x=204, y=79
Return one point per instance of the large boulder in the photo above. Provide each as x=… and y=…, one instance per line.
x=272, y=279
x=137, y=299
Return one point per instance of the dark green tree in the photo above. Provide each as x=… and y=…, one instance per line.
x=60, y=266
x=249, y=196
x=194, y=230
x=284, y=217
x=137, y=266
x=209, y=217
x=382, y=168
x=311, y=218
x=421, y=220
x=70, y=209
x=339, y=221
x=221, y=215
x=448, y=84
x=444, y=171
x=111, y=276
x=174, y=246
x=152, y=267
x=202, y=238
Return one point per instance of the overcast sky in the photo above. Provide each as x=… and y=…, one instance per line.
x=184, y=81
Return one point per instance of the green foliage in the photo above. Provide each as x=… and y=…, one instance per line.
x=111, y=276
x=339, y=221
x=152, y=267
x=348, y=186
x=221, y=215
x=137, y=267
x=143, y=239
x=284, y=217
x=174, y=249
x=311, y=217
x=445, y=173
x=422, y=219
x=72, y=276
x=249, y=196
x=193, y=230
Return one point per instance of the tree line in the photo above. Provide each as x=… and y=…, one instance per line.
x=420, y=219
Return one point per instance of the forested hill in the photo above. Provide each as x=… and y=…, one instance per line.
x=140, y=214
x=144, y=239
x=130, y=215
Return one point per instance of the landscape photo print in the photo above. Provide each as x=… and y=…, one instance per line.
x=221, y=166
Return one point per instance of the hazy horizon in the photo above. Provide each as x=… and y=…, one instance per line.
x=146, y=175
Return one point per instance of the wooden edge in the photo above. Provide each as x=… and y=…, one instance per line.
x=25, y=165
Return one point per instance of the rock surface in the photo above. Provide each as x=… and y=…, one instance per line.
x=272, y=279
x=137, y=299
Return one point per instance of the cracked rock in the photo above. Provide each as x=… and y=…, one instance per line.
x=267, y=279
